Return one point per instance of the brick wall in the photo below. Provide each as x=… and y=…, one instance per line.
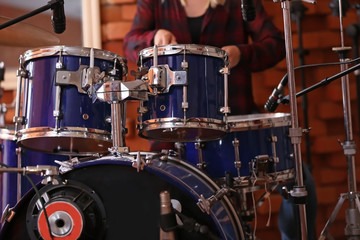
x=320, y=34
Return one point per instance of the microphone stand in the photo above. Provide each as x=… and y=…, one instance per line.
x=299, y=192
x=48, y=6
x=353, y=31
x=352, y=229
x=297, y=10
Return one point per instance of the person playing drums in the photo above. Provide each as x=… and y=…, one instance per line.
x=220, y=23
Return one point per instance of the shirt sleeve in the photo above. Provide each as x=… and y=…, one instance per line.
x=142, y=31
x=267, y=45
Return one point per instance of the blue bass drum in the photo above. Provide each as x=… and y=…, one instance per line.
x=108, y=198
x=60, y=117
x=190, y=106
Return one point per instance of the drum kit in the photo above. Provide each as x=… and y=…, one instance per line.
x=67, y=173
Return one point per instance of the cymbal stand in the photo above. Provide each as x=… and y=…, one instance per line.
x=298, y=10
x=352, y=229
x=299, y=192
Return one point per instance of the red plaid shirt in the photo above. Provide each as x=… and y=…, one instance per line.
x=222, y=26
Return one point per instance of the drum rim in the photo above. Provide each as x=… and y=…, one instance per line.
x=258, y=121
x=7, y=134
x=71, y=51
x=197, y=49
x=157, y=165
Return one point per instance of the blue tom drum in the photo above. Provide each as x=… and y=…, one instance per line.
x=188, y=96
x=256, y=149
x=59, y=115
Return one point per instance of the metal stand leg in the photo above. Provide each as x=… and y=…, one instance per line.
x=352, y=230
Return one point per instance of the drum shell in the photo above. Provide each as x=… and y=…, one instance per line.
x=15, y=185
x=131, y=198
x=219, y=155
x=77, y=109
x=205, y=89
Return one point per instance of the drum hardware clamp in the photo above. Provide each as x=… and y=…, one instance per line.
x=7, y=214
x=298, y=194
x=47, y=171
x=161, y=78
x=205, y=204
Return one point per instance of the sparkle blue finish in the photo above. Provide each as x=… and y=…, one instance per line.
x=74, y=105
x=9, y=181
x=220, y=155
x=205, y=89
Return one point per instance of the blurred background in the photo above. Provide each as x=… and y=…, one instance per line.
x=104, y=23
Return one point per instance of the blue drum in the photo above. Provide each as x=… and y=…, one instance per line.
x=110, y=197
x=257, y=148
x=15, y=185
x=59, y=115
x=188, y=99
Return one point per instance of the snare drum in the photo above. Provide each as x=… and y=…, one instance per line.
x=190, y=105
x=15, y=185
x=123, y=203
x=59, y=115
x=257, y=146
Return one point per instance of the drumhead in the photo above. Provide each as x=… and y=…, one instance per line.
x=185, y=49
x=71, y=51
x=116, y=200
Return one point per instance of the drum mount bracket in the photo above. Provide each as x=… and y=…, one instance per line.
x=161, y=78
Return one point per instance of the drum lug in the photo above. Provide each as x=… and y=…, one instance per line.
x=273, y=140
x=19, y=119
x=237, y=162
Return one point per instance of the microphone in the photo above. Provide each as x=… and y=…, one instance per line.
x=272, y=103
x=248, y=10
x=167, y=217
x=58, y=19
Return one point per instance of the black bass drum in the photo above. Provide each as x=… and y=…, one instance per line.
x=118, y=198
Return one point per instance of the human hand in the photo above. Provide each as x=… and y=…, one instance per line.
x=233, y=53
x=163, y=37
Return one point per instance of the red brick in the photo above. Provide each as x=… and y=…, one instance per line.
x=328, y=144
x=276, y=200
x=111, y=13
x=115, y=47
x=328, y=176
x=330, y=110
x=115, y=30
x=318, y=127
x=128, y=11
x=337, y=160
x=326, y=195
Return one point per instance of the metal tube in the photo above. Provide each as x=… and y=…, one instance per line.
x=116, y=127
x=295, y=131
